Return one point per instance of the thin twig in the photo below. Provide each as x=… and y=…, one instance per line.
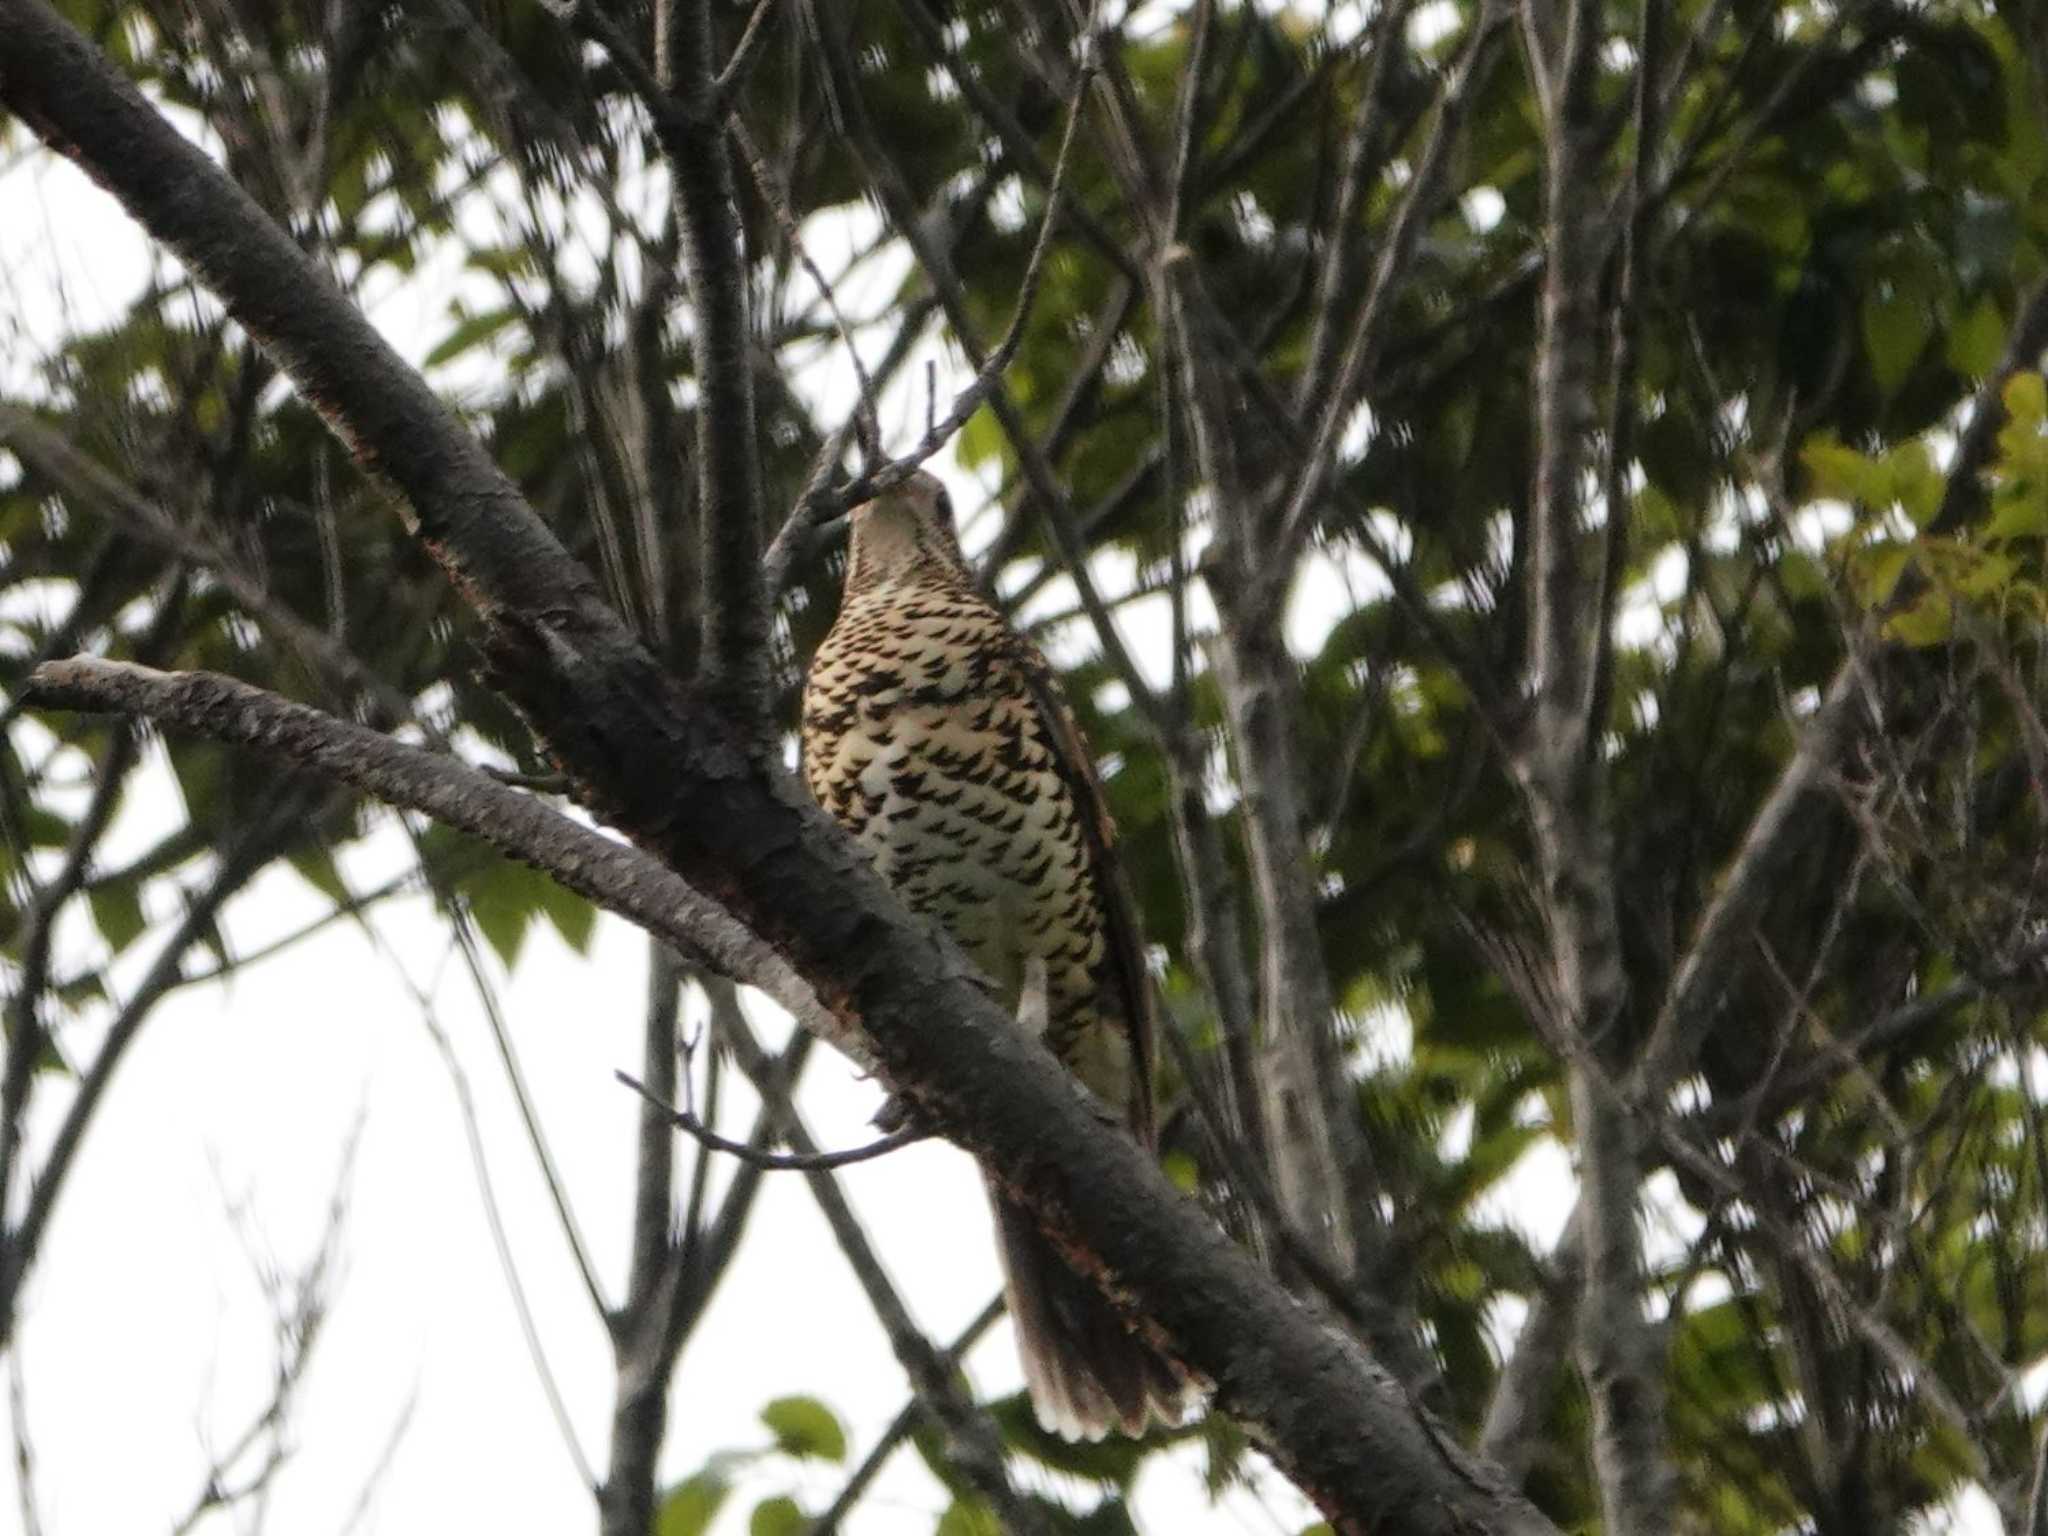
x=867, y=429
x=24, y=1448
x=772, y=1162
x=1353, y=378
x=989, y=375
x=374, y=1478
x=900, y=1427
x=462, y=926
x=727, y=86
x=501, y=1242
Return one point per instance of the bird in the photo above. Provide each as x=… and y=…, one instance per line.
x=937, y=735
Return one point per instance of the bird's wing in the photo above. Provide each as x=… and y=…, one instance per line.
x=1124, y=940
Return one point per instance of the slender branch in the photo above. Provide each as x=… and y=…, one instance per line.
x=771, y=1162
x=973, y=1443
x=365, y=1498
x=1564, y=784
x=463, y=929
x=1354, y=373
x=900, y=1427
x=727, y=87
x=1361, y=165
x=863, y=416
x=26, y=1034
x=986, y=378
x=494, y=1218
x=299, y=1304
x=1621, y=409
x=1187, y=122
x=24, y=1448
x=1520, y=1415
x=642, y=1375
x=614, y=875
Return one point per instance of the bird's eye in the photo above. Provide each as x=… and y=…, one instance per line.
x=944, y=503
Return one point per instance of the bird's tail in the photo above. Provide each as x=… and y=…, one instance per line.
x=1087, y=1373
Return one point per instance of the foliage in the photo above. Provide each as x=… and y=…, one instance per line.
x=1845, y=215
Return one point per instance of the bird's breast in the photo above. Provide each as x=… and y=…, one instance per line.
x=922, y=742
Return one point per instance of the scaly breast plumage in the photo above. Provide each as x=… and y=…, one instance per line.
x=921, y=738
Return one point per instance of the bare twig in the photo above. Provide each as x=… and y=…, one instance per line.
x=986, y=378
x=1353, y=378
x=462, y=928
x=900, y=1427
x=24, y=1448
x=508, y=1267
x=734, y=75
x=374, y=1478
x=866, y=427
x=299, y=1303
x=771, y=1162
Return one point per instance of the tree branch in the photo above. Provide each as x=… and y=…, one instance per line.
x=770, y=1162
x=972, y=1441
x=616, y=876
x=1563, y=779
x=735, y=619
x=1354, y=372
x=900, y=1427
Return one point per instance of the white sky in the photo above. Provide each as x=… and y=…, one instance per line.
x=145, y=1341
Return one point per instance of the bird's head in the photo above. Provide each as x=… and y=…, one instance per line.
x=903, y=531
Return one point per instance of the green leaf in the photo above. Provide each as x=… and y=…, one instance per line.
x=803, y=1426
x=2019, y=512
x=1877, y=569
x=2026, y=399
x=1927, y=622
x=1895, y=332
x=690, y=1506
x=1916, y=484
x=501, y=900
x=573, y=918
x=968, y=1517
x=779, y=1516
x=315, y=865
x=980, y=440
x=117, y=913
x=471, y=332
x=1840, y=473
x=1976, y=343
